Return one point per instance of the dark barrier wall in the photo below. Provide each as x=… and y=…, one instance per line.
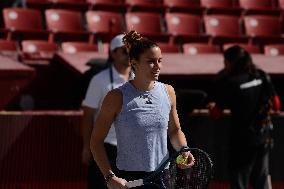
x=43, y=149
x=40, y=149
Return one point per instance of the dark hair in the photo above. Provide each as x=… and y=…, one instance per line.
x=240, y=60
x=136, y=44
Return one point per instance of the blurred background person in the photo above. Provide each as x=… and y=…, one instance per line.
x=249, y=93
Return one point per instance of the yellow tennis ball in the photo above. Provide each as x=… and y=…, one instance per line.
x=181, y=160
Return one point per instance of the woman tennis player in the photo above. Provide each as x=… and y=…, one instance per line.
x=144, y=114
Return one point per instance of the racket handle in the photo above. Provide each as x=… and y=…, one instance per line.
x=134, y=183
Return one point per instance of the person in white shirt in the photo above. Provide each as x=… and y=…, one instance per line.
x=112, y=77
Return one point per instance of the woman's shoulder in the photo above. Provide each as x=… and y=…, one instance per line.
x=114, y=96
x=113, y=100
x=115, y=93
x=170, y=89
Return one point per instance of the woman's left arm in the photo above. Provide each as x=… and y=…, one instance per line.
x=175, y=133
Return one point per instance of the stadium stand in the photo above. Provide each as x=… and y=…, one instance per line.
x=66, y=25
x=75, y=47
x=224, y=29
x=38, y=4
x=220, y=7
x=263, y=29
x=274, y=49
x=104, y=25
x=148, y=24
x=38, y=50
x=169, y=48
x=259, y=7
x=80, y=5
x=185, y=28
x=24, y=23
x=6, y=45
x=183, y=6
x=145, y=5
x=199, y=48
x=108, y=5
x=38, y=46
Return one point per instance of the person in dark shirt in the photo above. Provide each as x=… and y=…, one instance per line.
x=249, y=93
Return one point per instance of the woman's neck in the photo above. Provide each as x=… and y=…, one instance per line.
x=142, y=85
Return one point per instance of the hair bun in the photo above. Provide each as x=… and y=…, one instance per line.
x=131, y=38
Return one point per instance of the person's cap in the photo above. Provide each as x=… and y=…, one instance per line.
x=116, y=42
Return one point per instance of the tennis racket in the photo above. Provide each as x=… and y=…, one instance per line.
x=172, y=177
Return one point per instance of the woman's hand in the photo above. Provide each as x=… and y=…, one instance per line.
x=117, y=183
x=189, y=160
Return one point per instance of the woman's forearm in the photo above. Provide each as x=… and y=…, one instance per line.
x=177, y=139
x=100, y=155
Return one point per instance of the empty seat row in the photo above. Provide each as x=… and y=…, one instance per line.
x=66, y=25
x=42, y=48
x=197, y=6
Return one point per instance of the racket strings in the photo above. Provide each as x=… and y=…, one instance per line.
x=201, y=172
x=197, y=177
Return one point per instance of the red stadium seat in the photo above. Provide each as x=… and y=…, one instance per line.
x=148, y=24
x=38, y=49
x=36, y=46
x=145, y=5
x=70, y=4
x=24, y=23
x=220, y=7
x=185, y=28
x=74, y=47
x=169, y=48
x=6, y=45
x=185, y=6
x=104, y=24
x=199, y=48
x=66, y=25
x=254, y=49
x=258, y=7
x=274, y=49
x=108, y=5
x=263, y=29
x=224, y=29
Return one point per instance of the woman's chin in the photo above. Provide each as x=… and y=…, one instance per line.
x=156, y=77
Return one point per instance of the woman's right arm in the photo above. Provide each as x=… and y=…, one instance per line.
x=111, y=106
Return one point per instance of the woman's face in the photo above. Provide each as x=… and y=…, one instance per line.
x=149, y=64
